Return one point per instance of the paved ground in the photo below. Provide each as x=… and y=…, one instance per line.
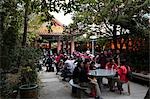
x=52, y=87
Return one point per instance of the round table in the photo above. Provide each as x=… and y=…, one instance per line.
x=102, y=73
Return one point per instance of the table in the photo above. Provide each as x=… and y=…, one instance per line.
x=100, y=73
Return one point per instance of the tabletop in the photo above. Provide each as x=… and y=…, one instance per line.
x=102, y=73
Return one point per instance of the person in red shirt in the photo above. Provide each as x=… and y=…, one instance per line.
x=122, y=74
x=122, y=71
x=57, y=60
x=111, y=65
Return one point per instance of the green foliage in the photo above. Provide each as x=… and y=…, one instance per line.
x=126, y=13
x=28, y=75
x=11, y=26
x=143, y=64
x=34, y=24
x=101, y=41
x=109, y=14
x=81, y=38
x=112, y=10
x=12, y=15
x=28, y=55
x=27, y=59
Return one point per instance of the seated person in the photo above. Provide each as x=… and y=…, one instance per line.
x=92, y=66
x=111, y=65
x=122, y=75
x=78, y=72
x=59, y=66
x=65, y=71
x=80, y=75
x=68, y=68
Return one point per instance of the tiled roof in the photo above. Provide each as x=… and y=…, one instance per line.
x=57, y=29
x=57, y=22
x=44, y=31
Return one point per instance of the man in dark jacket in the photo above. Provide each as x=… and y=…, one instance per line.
x=48, y=64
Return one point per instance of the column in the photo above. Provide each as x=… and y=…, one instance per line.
x=50, y=51
x=58, y=45
x=62, y=46
x=72, y=45
x=93, y=47
x=67, y=46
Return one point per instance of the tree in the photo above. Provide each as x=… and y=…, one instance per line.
x=30, y=7
x=10, y=26
x=112, y=16
x=11, y=20
x=34, y=24
x=12, y=31
x=42, y=7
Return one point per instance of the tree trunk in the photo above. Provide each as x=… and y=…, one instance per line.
x=25, y=24
x=115, y=37
x=1, y=32
x=120, y=40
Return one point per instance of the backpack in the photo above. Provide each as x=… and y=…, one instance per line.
x=129, y=73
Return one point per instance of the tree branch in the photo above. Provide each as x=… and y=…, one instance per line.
x=107, y=26
x=108, y=31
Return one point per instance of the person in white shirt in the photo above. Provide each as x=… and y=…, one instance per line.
x=68, y=67
x=70, y=64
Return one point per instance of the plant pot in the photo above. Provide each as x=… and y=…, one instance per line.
x=29, y=91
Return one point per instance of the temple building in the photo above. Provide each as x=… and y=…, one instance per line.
x=53, y=32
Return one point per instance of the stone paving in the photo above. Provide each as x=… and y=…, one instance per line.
x=52, y=87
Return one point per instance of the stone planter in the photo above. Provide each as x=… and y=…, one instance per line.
x=29, y=91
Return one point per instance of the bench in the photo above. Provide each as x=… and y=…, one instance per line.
x=141, y=77
x=77, y=89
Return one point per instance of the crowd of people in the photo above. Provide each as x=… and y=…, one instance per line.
x=78, y=65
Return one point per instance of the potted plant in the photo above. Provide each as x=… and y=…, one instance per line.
x=29, y=89
x=28, y=73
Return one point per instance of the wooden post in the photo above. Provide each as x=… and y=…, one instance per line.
x=58, y=45
x=72, y=45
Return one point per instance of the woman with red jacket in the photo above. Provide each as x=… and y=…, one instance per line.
x=122, y=74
